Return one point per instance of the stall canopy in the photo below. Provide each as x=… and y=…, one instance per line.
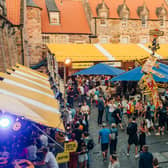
x=100, y=69
x=136, y=74
x=29, y=91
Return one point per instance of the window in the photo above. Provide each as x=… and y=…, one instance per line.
x=162, y=40
x=162, y=21
x=61, y=39
x=124, y=39
x=102, y=21
x=144, y=21
x=104, y=40
x=103, y=14
x=144, y=40
x=124, y=21
x=54, y=18
x=46, y=39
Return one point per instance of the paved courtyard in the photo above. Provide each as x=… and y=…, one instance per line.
x=158, y=145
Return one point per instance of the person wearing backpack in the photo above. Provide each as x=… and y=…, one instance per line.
x=113, y=139
x=132, y=136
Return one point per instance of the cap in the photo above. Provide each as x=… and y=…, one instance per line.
x=104, y=124
x=113, y=125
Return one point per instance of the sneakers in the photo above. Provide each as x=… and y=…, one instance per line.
x=157, y=134
x=128, y=154
x=136, y=156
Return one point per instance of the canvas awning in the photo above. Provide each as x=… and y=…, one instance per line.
x=136, y=74
x=17, y=107
x=35, y=98
x=100, y=69
x=26, y=83
x=76, y=52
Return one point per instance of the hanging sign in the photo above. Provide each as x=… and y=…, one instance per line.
x=62, y=157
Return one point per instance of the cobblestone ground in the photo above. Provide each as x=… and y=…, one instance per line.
x=157, y=145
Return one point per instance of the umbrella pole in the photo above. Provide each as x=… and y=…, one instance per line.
x=34, y=125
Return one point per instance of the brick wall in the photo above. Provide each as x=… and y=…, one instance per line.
x=33, y=27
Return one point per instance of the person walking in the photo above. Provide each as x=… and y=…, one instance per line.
x=100, y=110
x=142, y=135
x=104, y=140
x=146, y=158
x=133, y=137
x=113, y=139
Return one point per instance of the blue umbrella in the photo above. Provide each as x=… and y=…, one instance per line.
x=136, y=74
x=100, y=69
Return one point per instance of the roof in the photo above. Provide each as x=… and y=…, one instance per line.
x=73, y=18
x=13, y=11
x=51, y=6
x=132, y=5
x=30, y=3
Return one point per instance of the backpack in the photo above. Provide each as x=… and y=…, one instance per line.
x=113, y=135
x=90, y=144
x=130, y=129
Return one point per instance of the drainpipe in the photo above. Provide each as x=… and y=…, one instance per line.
x=95, y=27
x=22, y=45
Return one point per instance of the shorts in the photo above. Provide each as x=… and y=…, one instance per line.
x=162, y=122
x=118, y=121
x=82, y=157
x=104, y=147
x=133, y=140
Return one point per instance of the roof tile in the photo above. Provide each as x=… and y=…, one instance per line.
x=73, y=18
x=132, y=5
x=13, y=11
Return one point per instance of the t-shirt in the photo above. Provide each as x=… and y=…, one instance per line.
x=104, y=135
x=78, y=134
x=100, y=104
x=50, y=160
x=133, y=127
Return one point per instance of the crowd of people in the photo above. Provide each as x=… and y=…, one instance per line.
x=116, y=111
x=138, y=118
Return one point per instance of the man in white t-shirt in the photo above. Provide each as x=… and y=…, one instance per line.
x=49, y=160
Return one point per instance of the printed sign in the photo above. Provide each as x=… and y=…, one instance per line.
x=70, y=146
x=63, y=157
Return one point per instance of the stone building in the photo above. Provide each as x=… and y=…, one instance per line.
x=84, y=21
x=10, y=41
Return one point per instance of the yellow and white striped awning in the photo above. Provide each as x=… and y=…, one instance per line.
x=102, y=52
x=31, y=90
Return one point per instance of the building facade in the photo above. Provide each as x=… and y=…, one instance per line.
x=85, y=21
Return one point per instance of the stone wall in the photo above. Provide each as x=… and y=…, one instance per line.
x=134, y=31
x=65, y=38
x=8, y=47
x=34, y=37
